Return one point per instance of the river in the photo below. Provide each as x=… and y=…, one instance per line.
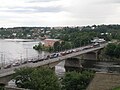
x=14, y=49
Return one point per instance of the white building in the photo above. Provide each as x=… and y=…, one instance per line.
x=98, y=40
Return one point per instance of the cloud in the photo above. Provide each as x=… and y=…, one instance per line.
x=108, y=2
x=31, y=9
x=34, y=1
x=58, y=12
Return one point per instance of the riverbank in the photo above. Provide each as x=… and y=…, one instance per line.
x=104, y=81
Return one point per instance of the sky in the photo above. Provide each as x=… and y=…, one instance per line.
x=19, y=13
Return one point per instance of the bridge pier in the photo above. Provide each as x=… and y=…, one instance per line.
x=4, y=80
x=72, y=64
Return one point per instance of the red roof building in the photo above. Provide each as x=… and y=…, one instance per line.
x=50, y=42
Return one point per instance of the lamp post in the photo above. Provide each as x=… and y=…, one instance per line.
x=27, y=54
x=2, y=60
x=21, y=58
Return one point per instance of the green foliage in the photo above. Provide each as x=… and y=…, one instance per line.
x=117, y=51
x=117, y=88
x=36, y=79
x=80, y=36
x=113, y=50
x=109, y=50
x=22, y=77
x=44, y=79
x=2, y=86
x=57, y=46
x=39, y=47
x=76, y=80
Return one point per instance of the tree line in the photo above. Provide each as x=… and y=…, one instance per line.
x=80, y=36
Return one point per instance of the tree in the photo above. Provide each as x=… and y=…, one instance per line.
x=76, y=80
x=57, y=46
x=67, y=45
x=117, y=51
x=22, y=77
x=44, y=79
x=109, y=50
x=77, y=42
x=36, y=79
x=38, y=47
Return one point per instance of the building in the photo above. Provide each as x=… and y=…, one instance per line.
x=97, y=40
x=50, y=42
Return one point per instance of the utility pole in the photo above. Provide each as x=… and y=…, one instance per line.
x=27, y=54
x=1, y=60
x=4, y=60
x=21, y=58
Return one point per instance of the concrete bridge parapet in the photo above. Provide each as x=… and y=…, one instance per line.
x=94, y=55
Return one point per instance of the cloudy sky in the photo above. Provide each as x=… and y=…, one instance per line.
x=15, y=13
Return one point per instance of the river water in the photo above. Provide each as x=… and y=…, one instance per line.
x=14, y=49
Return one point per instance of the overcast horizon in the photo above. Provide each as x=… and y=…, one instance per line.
x=39, y=13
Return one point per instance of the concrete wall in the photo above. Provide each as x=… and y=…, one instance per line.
x=5, y=79
x=89, y=56
x=14, y=88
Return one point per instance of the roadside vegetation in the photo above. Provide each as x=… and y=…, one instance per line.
x=36, y=79
x=117, y=88
x=77, y=80
x=45, y=79
x=111, y=52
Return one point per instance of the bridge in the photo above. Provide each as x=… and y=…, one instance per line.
x=6, y=74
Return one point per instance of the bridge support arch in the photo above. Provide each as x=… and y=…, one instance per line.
x=73, y=64
x=89, y=56
x=4, y=80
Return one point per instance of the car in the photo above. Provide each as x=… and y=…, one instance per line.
x=63, y=53
x=88, y=47
x=7, y=66
x=41, y=59
x=24, y=62
x=74, y=50
x=15, y=64
x=96, y=45
x=35, y=61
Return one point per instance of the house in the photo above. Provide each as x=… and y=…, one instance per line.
x=50, y=42
x=98, y=40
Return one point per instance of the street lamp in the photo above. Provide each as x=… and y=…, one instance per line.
x=2, y=60
x=27, y=54
x=21, y=58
